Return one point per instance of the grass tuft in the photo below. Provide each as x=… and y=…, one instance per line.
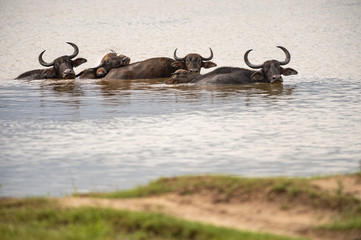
x=287, y=191
x=43, y=219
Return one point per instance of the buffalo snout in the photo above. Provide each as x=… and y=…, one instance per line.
x=276, y=78
x=126, y=61
x=69, y=73
x=171, y=81
x=101, y=72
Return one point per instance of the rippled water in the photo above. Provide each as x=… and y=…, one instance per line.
x=62, y=136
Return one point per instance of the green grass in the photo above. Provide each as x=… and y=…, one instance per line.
x=193, y=184
x=42, y=219
x=348, y=223
x=286, y=191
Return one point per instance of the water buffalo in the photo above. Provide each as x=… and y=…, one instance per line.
x=161, y=67
x=270, y=72
x=62, y=67
x=108, y=62
x=193, y=62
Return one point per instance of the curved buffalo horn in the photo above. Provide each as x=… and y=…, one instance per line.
x=208, y=58
x=42, y=62
x=288, y=56
x=76, y=50
x=250, y=64
x=177, y=58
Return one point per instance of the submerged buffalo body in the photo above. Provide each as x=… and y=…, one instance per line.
x=161, y=67
x=270, y=72
x=61, y=67
x=226, y=75
x=108, y=62
x=150, y=68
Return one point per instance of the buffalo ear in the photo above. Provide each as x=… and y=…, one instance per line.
x=177, y=64
x=79, y=61
x=289, y=71
x=209, y=64
x=257, y=76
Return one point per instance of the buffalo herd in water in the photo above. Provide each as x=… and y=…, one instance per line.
x=175, y=70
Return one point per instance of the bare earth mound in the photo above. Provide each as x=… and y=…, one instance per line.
x=252, y=214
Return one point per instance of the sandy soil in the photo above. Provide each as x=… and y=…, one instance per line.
x=263, y=216
x=349, y=184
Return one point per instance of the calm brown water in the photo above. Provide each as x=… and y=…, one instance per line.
x=86, y=135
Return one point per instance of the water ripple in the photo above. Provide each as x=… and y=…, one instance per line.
x=59, y=136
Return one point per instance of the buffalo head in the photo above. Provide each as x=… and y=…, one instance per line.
x=110, y=61
x=193, y=62
x=62, y=67
x=271, y=70
x=182, y=76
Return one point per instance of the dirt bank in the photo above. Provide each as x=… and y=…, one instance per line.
x=259, y=214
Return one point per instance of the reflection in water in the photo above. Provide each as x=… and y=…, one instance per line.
x=110, y=87
x=120, y=92
x=124, y=87
x=70, y=86
x=259, y=88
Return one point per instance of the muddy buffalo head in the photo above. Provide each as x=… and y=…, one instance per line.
x=193, y=62
x=271, y=70
x=110, y=61
x=62, y=67
x=182, y=76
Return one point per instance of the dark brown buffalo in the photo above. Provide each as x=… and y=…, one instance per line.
x=193, y=62
x=270, y=72
x=108, y=62
x=161, y=67
x=61, y=67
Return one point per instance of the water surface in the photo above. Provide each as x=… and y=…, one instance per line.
x=61, y=136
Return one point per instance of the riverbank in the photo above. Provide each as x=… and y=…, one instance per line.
x=316, y=208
